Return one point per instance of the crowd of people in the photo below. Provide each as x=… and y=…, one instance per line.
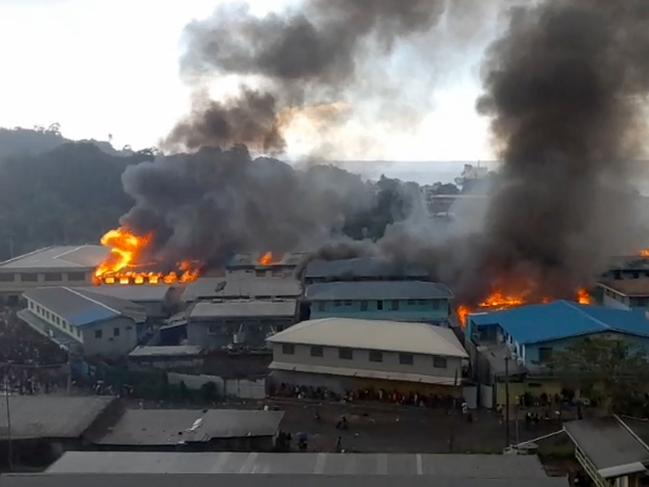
x=21, y=345
x=411, y=398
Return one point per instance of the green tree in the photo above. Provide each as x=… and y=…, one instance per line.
x=609, y=370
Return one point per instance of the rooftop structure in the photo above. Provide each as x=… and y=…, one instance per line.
x=48, y=416
x=359, y=269
x=171, y=427
x=243, y=308
x=242, y=287
x=171, y=351
x=389, y=336
x=608, y=449
x=626, y=293
x=261, y=265
x=377, y=290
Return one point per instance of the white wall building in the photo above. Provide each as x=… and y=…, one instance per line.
x=347, y=354
x=80, y=319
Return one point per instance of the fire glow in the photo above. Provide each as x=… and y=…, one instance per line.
x=266, y=259
x=126, y=252
x=499, y=300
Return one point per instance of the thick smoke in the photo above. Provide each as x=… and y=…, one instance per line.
x=214, y=203
x=565, y=89
x=302, y=58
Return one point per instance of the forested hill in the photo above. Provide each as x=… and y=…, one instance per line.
x=53, y=191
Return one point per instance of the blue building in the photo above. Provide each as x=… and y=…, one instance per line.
x=533, y=333
x=414, y=301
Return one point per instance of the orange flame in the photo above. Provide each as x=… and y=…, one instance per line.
x=126, y=251
x=266, y=259
x=644, y=253
x=583, y=297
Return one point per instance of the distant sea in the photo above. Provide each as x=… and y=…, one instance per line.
x=422, y=172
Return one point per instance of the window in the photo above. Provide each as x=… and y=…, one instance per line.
x=436, y=303
x=7, y=277
x=345, y=354
x=439, y=362
x=115, y=332
x=363, y=305
x=38, y=309
x=321, y=305
x=53, y=276
x=57, y=320
x=394, y=305
x=317, y=351
x=405, y=359
x=29, y=277
x=288, y=349
x=348, y=303
x=545, y=354
x=31, y=304
x=376, y=356
x=99, y=334
x=379, y=305
x=337, y=303
x=77, y=331
x=412, y=302
x=260, y=273
x=76, y=276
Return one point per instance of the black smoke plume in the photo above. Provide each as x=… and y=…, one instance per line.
x=306, y=57
x=565, y=88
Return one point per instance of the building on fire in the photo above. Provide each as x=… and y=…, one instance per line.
x=360, y=269
x=71, y=265
x=265, y=264
x=158, y=300
x=625, y=293
x=343, y=354
x=426, y=302
x=243, y=322
x=528, y=337
x=82, y=320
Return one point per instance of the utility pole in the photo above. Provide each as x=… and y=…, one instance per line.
x=507, y=442
x=10, y=456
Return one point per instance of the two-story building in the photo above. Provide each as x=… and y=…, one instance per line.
x=241, y=287
x=625, y=293
x=361, y=269
x=343, y=354
x=84, y=321
x=245, y=322
x=529, y=336
x=264, y=264
x=66, y=265
x=420, y=301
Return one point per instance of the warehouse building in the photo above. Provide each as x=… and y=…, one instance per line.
x=248, y=322
x=265, y=265
x=342, y=354
x=209, y=288
x=83, y=320
x=426, y=302
x=191, y=430
x=625, y=293
x=360, y=269
x=50, y=266
x=158, y=300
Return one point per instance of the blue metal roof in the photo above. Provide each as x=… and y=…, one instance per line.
x=563, y=319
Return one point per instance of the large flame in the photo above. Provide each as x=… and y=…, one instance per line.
x=126, y=252
x=499, y=300
x=266, y=259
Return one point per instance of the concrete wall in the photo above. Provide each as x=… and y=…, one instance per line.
x=109, y=343
x=422, y=364
x=429, y=311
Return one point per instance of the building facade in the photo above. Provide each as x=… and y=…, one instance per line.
x=83, y=321
x=51, y=266
x=360, y=269
x=626, y=293
x=347, y=354
x=416, y=301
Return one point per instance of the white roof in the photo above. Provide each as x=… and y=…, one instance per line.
x=243, y=309
x=74, y=257
x=134, y=293
x=392, y=336
x=365, y=373
x=248, y=287
x=168, y=351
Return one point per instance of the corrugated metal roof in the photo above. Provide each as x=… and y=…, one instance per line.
x=176, y=426
x=562, y=319
x=607, y=443
x=341, y=290
x=170, y=351
x=246, y=260
x=244, y=287
x=81, y=307
x=133, y=293
x=364, y=373
x=174, y=479
x=360, y=267
x=49, y=416
x=73, y=257
x=242, y=309
x=391, y=336
x=260, y=464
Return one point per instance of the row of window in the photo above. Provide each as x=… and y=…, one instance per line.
x=99, y=334
x=54, y=319
x=374, y=355
x=47, y=276
x=394, y=304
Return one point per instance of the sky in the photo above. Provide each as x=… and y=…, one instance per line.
x=105, y=68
